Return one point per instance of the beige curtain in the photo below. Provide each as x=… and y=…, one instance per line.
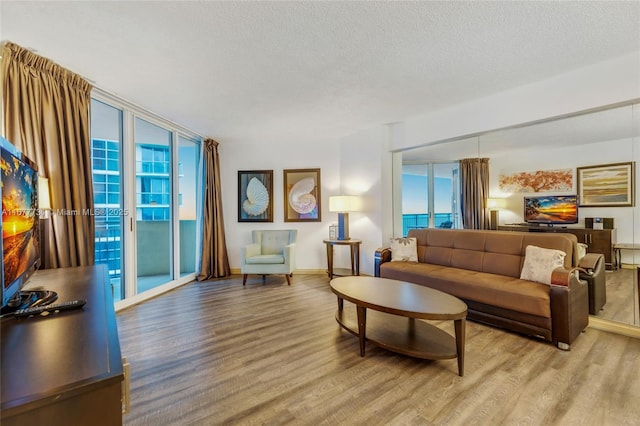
x=474, y=178
x=46, y=116
x=214, y=259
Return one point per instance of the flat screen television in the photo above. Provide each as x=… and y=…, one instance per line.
x=20, y=221
x=551, y=209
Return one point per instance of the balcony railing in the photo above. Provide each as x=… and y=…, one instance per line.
x=417, y=221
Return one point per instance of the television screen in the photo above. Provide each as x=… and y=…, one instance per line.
x=20, y=220
x=551, y=209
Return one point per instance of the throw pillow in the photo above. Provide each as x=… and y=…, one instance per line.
x=582, y=250
x=404, y=250
x=540, y=262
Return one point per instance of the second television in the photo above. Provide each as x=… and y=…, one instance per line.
x=551, y=209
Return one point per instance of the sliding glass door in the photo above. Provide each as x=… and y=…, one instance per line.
x=145, y=180
x=153, y=205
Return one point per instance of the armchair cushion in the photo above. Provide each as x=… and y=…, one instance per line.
x=265, y=259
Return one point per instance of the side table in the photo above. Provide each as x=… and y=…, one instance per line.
x=354, y=246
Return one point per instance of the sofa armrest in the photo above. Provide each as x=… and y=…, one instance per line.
x=591, y=263
x=564, y=277
x=382, y=255
x=569, y=311
x=592, y=270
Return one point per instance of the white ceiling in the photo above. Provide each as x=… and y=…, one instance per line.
x=312, y=71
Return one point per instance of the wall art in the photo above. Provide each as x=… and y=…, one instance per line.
x=607, y=185
x=537, y=181
x=255, y=196
x=302, y=195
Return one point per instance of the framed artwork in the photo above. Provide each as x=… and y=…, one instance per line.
x=302, y=195
x=607, y=185
x=255, y=196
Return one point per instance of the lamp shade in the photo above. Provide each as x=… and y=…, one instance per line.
x=496, y=203
x=344, y=203
x=44, y=202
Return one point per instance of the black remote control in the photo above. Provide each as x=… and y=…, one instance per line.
x=36, y=310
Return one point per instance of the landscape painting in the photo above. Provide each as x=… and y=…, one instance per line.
x=608, y=185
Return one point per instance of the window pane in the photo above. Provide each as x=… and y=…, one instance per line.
x=188, y=159
x=153, y=229
x=106, y=133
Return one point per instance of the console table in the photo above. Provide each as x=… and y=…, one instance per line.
x=617, y=248
x=598, y=240
x=64, y=368
x=354, y=246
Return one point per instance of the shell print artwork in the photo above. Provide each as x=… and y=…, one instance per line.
x=257, y=198
x=300, y=198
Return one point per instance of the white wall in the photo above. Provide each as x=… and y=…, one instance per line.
x=605, y=83
x=609, y=82
x=361, y=163
x=277, y=156
x=365, y=160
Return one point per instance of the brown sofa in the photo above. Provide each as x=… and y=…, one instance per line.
x=483, y=269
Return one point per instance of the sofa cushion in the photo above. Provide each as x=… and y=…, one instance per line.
x=491, y=289
x=539, y=264
x=404, y=250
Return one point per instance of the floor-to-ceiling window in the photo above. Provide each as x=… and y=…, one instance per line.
x=145, y=179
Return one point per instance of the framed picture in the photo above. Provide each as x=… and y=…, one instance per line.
x=302, y=195
x=607, y=185
x=255, y=196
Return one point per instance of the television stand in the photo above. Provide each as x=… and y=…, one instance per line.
x=28, y=299
x=597, y=240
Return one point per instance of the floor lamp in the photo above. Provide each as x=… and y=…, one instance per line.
x=343, y=204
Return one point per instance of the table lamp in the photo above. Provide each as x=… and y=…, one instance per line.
x=343, y=204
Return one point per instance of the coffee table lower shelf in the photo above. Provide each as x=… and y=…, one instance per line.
x=403, y=335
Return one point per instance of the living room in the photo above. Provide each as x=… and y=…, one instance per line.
x=345, y=155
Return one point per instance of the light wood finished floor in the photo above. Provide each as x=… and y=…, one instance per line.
x=220, y=353
x=622, y=299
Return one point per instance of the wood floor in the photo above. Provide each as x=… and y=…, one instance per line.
x=622, y=299
x=219, y=353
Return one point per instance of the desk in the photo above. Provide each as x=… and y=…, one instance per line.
x=617, y=248
x=354, y=246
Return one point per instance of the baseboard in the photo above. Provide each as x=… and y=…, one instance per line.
x=236, y=271
x=614, y=327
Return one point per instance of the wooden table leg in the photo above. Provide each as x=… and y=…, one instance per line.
x=362, y=327
x=357, y=250
x=460, y=326
x=340, y=304
x=330, y=260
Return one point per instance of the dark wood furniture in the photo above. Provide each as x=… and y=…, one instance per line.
x=395, y=306
x=354, y=246
x=64, y=368
x=598, y=240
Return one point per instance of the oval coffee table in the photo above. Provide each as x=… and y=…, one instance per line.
x=395, y=306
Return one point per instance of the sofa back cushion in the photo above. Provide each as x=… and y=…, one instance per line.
x=496, y=252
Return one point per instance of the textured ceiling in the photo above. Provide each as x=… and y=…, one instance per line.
x=312, y=71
